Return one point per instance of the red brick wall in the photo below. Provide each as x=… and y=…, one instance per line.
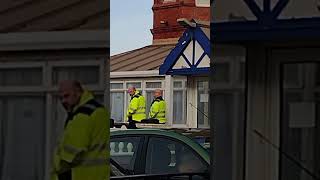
x=169, y=12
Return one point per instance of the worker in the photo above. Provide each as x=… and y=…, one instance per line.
x=82, y=153
x=136, y=109
x=157, y=113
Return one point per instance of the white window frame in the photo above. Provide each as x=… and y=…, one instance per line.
x=152, y=89
x=202, y=5
x=196, y=97
x=143, y=90
x=223, y=60
x=80, y=63
x=123, y=90
x=169, y=1
x=46, y=89
x=23, y=89
x=184, y=101
x=127, y=96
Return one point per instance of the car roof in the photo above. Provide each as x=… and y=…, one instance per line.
x=168, y=133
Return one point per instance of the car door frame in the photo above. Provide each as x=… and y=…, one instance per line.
x=138, y=161
x=145, y=148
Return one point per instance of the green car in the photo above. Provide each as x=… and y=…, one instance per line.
x=155, y=152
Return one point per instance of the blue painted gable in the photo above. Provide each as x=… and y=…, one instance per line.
x=191, y=35
x=268, y=27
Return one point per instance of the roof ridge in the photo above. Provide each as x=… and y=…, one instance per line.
x=130, y=51
x=147, y=57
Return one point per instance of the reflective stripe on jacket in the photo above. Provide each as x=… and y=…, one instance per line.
x=84, y=146
x=158, y=110
x=137, y=107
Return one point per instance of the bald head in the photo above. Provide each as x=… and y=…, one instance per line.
x=131, y=90
x=70, y=92
x=70, y=84
x=157, y=93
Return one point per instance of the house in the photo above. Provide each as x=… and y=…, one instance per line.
x=140, y=67
x=41, y=43
x=266, y=128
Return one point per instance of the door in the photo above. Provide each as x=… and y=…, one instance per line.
x=299, y=103
x=283, y=107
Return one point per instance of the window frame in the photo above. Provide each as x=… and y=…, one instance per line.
x=201, y=4
x=123, y=90
x=143, y=90
x=70, y=63
x=164, y=137
x=23, y=65
x=184, y=101
x=138, y=164
x=202, y=79
x=146, y=90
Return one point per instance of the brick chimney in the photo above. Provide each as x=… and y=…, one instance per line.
x=166, y=29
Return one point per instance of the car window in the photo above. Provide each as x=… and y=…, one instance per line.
x=123, y=151
x=169, y=156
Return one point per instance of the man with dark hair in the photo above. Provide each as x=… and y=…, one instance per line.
x=83, y=152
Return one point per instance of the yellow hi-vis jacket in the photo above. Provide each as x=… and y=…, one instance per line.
x=158, y=110
x=84, y=145
x=137, y=107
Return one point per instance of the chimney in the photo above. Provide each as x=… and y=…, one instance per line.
x=166, y=29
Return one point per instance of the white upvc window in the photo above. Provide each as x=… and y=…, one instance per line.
x=165, y=1
x=29, y=103
x=203, y=3
x=117, y=103
x=119, y=99
x=179, y=102
x=150, y=86
x=89, y=72
x=22, y=77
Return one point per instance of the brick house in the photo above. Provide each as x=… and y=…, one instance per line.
x=140, y=67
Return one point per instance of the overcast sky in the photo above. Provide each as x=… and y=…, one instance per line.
x=130, y=24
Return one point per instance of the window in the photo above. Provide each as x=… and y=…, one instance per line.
x=21, y=76
x=203, y=104
x=150, y=87
x=117, y=106
x=300, y=121
x=120, y=99
x=116, y=86
x=124, y=151
x=137, y=85
x=228, y=107
x=117, y=96
x=22, y=136
x=85, y=74
x=168, y=156
x=221, y=72
x=179, y=102
x=203, y=3
x=32, y=118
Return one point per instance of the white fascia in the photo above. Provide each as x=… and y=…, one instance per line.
x=128, y=74
x=54, y=40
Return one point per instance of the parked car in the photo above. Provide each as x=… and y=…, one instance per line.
x=156, y=154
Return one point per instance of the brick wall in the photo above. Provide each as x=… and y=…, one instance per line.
x=166, y=13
